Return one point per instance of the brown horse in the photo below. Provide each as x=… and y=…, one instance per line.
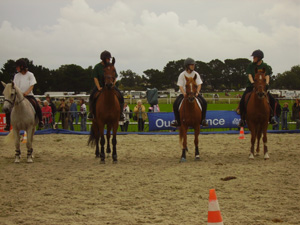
x=258, y=113
x=107, y=113
x=190, y=116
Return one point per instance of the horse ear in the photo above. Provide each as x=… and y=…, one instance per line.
x=195, y=77
x=4, y=84
x=113, y=60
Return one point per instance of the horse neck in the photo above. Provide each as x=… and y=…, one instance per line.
x=108, y=96
x=20, y=99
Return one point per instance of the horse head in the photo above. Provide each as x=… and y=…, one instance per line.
x=191, y=88
x=110, y=74
x=260, y=83
x=10, y=95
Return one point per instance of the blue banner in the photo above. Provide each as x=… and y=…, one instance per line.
x=215, y=119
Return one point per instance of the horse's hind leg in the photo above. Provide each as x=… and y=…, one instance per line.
x=108, y=150
x=196, y=141
x=266, y=155
x=30, y=134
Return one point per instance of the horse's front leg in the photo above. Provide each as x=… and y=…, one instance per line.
x=30, y=133
x=265, y=139
x=258, y=137
x=102, y=153
x=253, y=137
x=196, y=141
x=16, y=134
x=108, y=150
x=114, y=142
x=183, y=134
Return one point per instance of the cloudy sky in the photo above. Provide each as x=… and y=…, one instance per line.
x=146, y=34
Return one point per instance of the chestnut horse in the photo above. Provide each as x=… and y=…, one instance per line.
x=190, y=116
x=107, y=113
x=258, y=113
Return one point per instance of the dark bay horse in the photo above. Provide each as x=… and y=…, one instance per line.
x=258, y=113
x=107, y=113
x=190, y=116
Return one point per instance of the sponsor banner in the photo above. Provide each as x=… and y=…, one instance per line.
x=2, y=122
x=215, y=119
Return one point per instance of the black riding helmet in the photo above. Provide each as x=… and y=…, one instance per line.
x=259, y=54
x=105, y=55
x=22, y=63
x=189, y=61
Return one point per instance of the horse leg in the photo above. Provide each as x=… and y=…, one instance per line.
x=114, y=142
x=102, y=154
x=183, y=134
x=196, y=141
x=108, y=150
x=17, y=145
x=253, y=137
x=258, y=135
x=266, y=155
x=30, y=134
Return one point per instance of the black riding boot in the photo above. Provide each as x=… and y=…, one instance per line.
x=204, y=109
x=178, y=100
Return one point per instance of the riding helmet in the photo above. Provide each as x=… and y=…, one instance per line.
x=258, y=53
x=189, y=61
x=22, y=63
x=105, y=55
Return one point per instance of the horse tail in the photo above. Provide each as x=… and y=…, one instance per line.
x=92, y=139
x=9, y=138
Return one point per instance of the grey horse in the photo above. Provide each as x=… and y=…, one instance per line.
x=22, y=118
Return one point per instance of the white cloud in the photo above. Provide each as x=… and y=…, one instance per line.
x=145, y=39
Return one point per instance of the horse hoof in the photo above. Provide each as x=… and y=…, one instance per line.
x=17, y=159
x=251, y=156
x=102, y=161
x=266, y=156
x=197, y=158
x=29, y=160
x=115, y=161
x=97, y=156
x=182, y=160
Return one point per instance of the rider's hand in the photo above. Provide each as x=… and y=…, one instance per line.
x=99, y=89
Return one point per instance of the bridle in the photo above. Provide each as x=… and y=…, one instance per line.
x=262, y=94
x=13, y=102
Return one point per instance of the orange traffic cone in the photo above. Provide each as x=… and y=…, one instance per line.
x=24, y=137
x=214, y=214
x=242, y=134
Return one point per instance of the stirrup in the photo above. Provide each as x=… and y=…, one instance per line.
x=273, y=121
x=90, y=116
x=175, y=124
x=204, y=123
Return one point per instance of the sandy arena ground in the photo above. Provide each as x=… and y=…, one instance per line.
x=67, y=185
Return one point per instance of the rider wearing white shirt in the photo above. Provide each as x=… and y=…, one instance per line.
x=25, y=80
x=189, y=65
